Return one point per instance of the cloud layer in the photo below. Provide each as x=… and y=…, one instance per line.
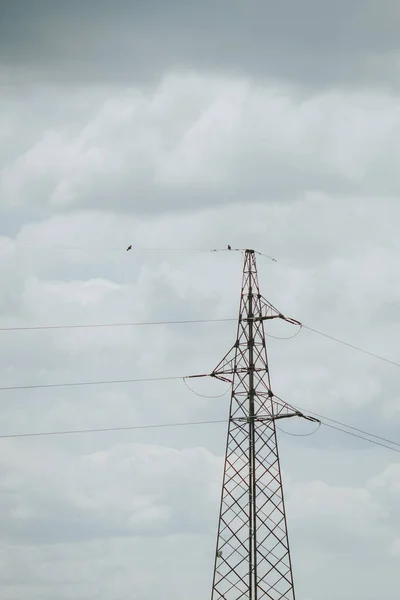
x=180, y=129
x=195, y=141
x=313, y=44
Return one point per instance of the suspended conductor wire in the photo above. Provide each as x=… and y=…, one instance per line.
x=129, y=324
x=109, y=382
x=110, y=325
x=188, y=321
x=108, y=429
x=300, y=434
x=356, y=435
x=360, y=437
x=330, y=337
x=203, y=395
x=266, y=256
x=131, y=248
x=361, y=433
x=185, y=424
x=109, y=248
x=290, y=337
x=357, y=429
x=86, y=383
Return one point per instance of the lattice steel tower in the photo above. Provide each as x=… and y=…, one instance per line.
x=252, y=556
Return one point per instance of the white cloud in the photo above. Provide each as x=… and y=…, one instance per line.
x=195, y=141
x=195, y=163
x=107, y=493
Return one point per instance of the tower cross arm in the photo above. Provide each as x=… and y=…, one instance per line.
x=280, y=316
x=296, y=413
x=270, y=317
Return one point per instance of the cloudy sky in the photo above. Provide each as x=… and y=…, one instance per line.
x=181, y=127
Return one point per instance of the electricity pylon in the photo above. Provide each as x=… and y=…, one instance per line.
x=252, y=557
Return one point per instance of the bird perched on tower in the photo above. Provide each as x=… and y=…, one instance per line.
x=229, y=247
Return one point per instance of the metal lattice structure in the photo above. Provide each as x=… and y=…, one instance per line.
x=252, y=556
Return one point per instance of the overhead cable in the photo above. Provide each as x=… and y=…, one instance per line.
x=194, y=423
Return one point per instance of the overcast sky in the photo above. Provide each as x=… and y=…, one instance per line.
x=180, y=126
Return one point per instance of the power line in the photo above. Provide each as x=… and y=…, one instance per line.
x=351, y=427
x=360, y=431
x=143, y=323
x=93, y=248
x=194, y=321
x=209, y=422
x=300, y=434
x=118, y=381
x=134, y=249
x=84, y=383
x=361, y=437
x=364, y=438
x=356, y=429
x=330, y=337
x=104, y=325
x=122, y=248
x=108, y=429
x=266, y=256
x=119, y=249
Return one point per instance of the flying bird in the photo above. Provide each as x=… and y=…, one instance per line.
x=129, y=247
x=229, y=248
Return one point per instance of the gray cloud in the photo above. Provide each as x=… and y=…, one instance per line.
x=313, y=43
